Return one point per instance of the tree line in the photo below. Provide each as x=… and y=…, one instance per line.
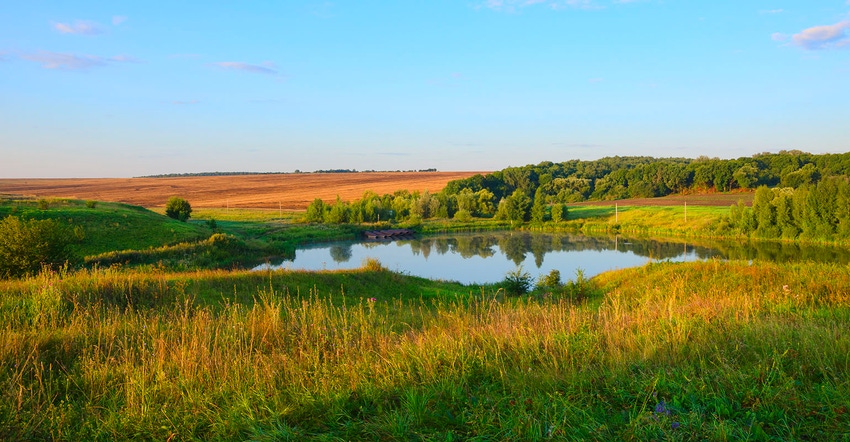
x=541, y=192
x=818, y=211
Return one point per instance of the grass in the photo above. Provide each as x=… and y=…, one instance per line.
x=107, y=226
x=689, y=351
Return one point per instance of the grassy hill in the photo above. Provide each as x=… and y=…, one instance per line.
x=107, y=227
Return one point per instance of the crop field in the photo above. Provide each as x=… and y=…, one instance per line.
x=284, y=191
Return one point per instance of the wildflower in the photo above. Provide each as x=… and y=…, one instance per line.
x=661, y=408
x=373, y=299
x=675, y=425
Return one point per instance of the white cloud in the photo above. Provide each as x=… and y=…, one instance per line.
x=265, y=68
x=72, y=62
x=118, y=19
x=823, y=37
x=79, y=27
x=778, y=36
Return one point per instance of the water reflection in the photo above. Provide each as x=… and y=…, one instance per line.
x=486, y=257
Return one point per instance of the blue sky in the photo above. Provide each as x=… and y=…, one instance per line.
x=120, y=88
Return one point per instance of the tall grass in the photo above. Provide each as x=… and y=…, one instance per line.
x=694, y=351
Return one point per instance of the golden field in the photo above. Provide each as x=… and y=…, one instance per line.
x=287, y=191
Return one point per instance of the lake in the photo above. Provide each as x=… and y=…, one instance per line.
x=477, y=258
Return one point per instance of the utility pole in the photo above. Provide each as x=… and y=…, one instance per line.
x=616, y=213
x=686, y=211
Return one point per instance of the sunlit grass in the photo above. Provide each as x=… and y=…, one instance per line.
x=691, y=351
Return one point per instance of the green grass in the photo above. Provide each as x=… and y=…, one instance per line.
x=646, y=220
x=107, y=226
x=689, y=351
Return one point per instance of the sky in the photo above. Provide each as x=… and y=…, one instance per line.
x=128, y=88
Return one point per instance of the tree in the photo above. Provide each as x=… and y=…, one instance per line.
x=316, y=211
x=27, y=246
x=178, y=208
x=515, y=207
x=559, y=212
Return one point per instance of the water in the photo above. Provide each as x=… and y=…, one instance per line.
x=487, y=257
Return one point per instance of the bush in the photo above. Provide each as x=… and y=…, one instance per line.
x=517, y=282
x=551, y=281
x=91, y=204
x=463, y=216
x=27, y=246
x=178, y=208
x=372, y=265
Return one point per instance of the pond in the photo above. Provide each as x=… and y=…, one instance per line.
x=477, y=258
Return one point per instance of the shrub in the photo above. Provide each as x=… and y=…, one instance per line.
x=91, y=204
x=27, y=246
x=517, y=282
x=178, y=208
x=550, y=281
x=372, y=265
x=463, y=216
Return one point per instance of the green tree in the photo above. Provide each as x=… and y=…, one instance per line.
x=538, y=209
x=515, y=207
x=559, y=212
x=27, y=246
x=178, y=208
x=316, y=211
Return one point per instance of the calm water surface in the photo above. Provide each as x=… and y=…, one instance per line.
x=486, y=257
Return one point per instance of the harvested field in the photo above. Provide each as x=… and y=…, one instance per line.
x=289, y=191
x=705, y=199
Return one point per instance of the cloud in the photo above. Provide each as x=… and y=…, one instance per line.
x=73, y=62
x=265, y=68
x=823, y=37
x=778, y=36
x=79, y=27
x=118, y=19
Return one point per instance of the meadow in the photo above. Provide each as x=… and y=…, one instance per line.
x=161, y=336
x=697, y=351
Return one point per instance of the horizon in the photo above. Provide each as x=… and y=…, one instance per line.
x=96, y=90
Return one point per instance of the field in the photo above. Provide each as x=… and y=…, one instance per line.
x=704, y=199
x=286, y=191
x=694, y=351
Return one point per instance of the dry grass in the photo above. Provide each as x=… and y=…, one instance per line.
x=289, y=191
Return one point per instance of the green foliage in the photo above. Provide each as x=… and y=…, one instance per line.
x=316, y=211
x=615, y=178
x=559, y=212
x=107, y=226
x=517, y=282
x=91, y=204
x=178, y=208
x=27, y=246
x=515, y=207
x=463, y=216
x=817, y=212
x=551, y=281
